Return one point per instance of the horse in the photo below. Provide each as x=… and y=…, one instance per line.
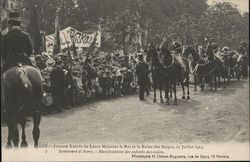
x=195, y=60
x=224, y=70
x=174, y=73
x=234, y=64
x=22, y=94
x=156, y=70
x=206, y=69
x=244, y=66
x=240, y=66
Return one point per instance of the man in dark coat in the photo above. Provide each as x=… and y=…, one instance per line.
x=142, y=72
x=16, y=44
x=57, y=79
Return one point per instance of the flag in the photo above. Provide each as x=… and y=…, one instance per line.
x=3, y=18
x=57, y=44
x=74, y=48
x=34, y=31
x=92, y=46
x=43, y=29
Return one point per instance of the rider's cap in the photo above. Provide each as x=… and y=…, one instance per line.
x=14, y=16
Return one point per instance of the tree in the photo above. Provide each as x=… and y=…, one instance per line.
x=225, y=23
x=189, y=20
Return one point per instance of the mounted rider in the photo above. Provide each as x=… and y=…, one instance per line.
x=216, y=52
x=16, y=47
x=177, y=53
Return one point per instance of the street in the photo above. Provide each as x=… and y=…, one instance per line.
x=209, y=117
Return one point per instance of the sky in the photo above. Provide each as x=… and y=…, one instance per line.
x=243, y=5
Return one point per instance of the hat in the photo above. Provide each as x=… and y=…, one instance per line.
x=58, y=62
x=14, y=16
x=50, y=62
x=225, y=48
x=38, y=57
x=140, y=56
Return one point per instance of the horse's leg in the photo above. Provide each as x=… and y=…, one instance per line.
x=160, y=88
x=188, y=94
x=161, y=96
x=218, y=82
x=183, y=91
x=24, y=142
x=167, y=92
x=202, y=83
x=15, y=132
x=229, y=76
x=195, y=82
x=154, y=100
x=170, y=90
x=154, y=86
x=215, y=83
x=36, y=130
x=238, y=73
x=165, y=89
x=233, y=72
x=10, y=134
x=174, y=89
x=211, y=83
x=224, y=81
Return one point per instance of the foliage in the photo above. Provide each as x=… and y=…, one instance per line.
x=189, y=20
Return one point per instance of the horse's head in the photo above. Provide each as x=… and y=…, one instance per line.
x=164, y=54
x=188, y=51
x=152, y=56
x=191, y=51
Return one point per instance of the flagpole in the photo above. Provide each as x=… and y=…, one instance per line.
x=93, y=43
x=43, y=28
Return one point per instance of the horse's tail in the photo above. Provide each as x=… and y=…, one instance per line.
x=25, y=82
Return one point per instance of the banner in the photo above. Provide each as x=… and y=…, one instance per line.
x=68, y=35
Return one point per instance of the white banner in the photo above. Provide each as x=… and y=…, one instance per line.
x=68, y=35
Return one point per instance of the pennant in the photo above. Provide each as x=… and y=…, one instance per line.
x=43, y=30
x=74, y=49
x=92, y=46
x=34, y=31
x=57, y=43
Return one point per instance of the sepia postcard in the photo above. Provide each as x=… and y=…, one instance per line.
x=124, y=80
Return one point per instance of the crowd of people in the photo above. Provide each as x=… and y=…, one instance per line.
x=71, y=81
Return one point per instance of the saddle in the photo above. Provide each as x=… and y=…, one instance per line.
x=16, y=60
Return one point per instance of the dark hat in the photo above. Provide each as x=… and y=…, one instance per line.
x=14, y=16
x=176, y=46
x=241, y=50
x=214, y=47
x=58, y=62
